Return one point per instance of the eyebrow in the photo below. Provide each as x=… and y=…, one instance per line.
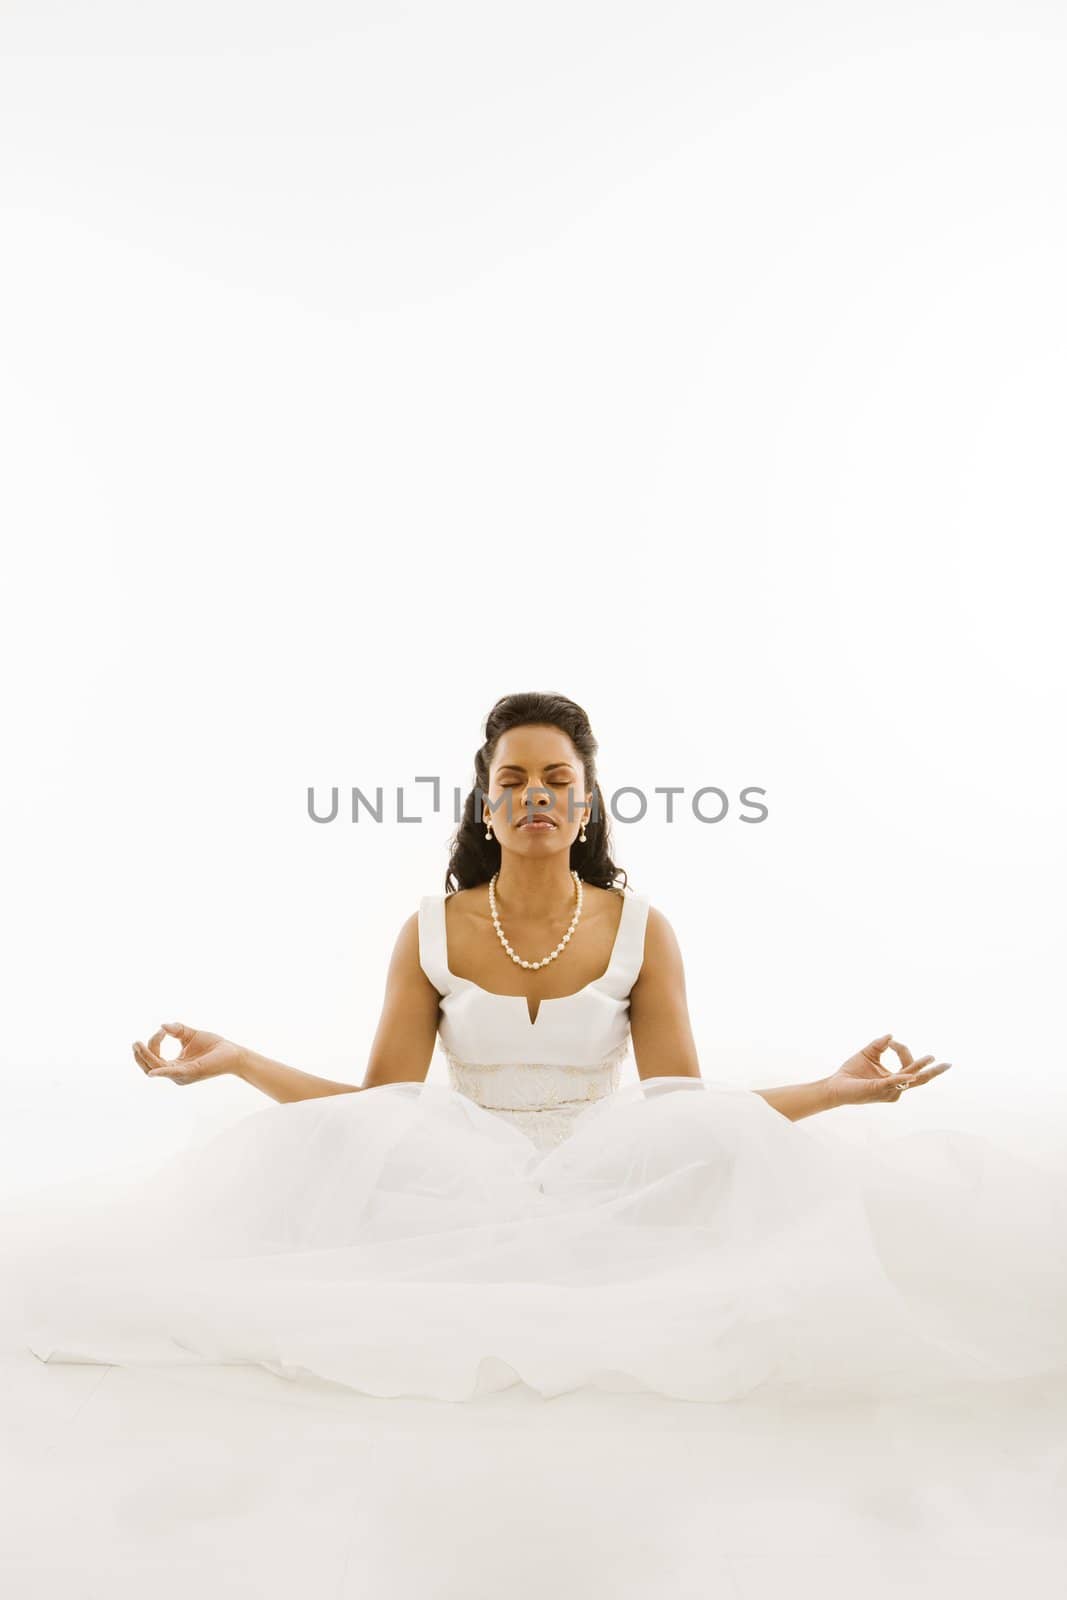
x=551, y=767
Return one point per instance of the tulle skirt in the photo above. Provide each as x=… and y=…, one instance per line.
x=685, y=1239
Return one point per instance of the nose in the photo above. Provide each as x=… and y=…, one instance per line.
x=535, y=798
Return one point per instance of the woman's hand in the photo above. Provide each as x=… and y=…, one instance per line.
x=863, y=1079
x=203, y=1055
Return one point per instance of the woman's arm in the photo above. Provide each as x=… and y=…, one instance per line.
x=400, y=1052
x=861, y=1081
x=208, y=1055
x=403, y=1044
x=796, y=1100
x=663, y=1045
x=661, y=1032
x=284, y=1083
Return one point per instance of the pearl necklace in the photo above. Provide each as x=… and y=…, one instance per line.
x=562, y=943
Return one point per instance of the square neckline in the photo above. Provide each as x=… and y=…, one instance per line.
x=494, y=994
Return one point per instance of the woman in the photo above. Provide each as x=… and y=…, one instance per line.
x=534, y=1221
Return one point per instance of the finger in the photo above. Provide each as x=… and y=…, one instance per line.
x=142, y=1061
x=903, y=1052
x=147, y=1058
x=930, y=1073
x=164, y=1070
x=913, y=1079
x=873, y=1051
x=168, y=1030
x=906, y=1075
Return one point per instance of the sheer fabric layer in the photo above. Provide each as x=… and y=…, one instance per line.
x=682, y=1238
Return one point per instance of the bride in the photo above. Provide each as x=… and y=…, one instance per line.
x=532, y=1220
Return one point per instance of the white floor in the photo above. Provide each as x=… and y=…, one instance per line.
x=228, y=1481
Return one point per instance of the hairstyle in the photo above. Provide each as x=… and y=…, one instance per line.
x=474, y=858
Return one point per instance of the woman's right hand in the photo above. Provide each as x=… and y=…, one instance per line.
x=203, y=1055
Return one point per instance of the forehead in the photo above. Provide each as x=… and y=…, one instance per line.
x=534, y=745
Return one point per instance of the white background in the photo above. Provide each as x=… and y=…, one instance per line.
x=363, y=363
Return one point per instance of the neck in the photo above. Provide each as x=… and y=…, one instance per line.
x=535, y=888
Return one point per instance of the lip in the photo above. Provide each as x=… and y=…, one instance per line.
x=539, y=824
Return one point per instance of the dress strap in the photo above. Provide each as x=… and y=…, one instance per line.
x=433, y=947
x=629, y=951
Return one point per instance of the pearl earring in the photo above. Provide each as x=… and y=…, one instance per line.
x=581, y=836
x=488, y=831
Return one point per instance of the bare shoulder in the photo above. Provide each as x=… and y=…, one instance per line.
x=405, y=964
x=658, y=928
x=662, y=953
x=406, y=945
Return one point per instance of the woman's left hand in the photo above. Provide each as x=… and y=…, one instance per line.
x=863, y=1078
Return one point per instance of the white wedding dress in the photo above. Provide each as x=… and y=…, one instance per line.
x=534, y=1221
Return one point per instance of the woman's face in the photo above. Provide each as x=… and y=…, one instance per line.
x=536, y=773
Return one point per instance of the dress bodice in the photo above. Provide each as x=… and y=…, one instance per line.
x=538, y=1075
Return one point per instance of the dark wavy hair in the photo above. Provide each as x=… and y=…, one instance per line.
x=474, y=858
